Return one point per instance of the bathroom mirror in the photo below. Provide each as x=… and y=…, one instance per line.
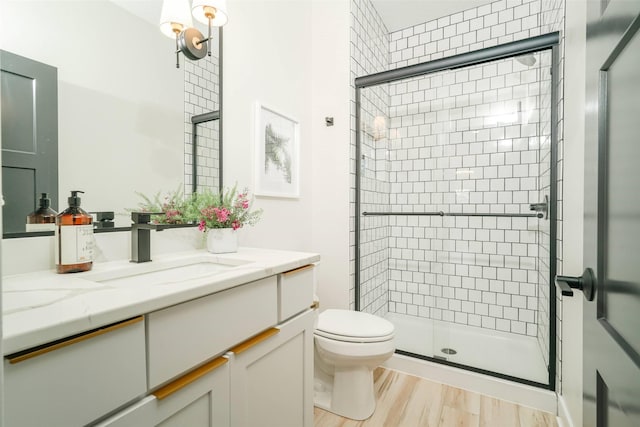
x=124, y=109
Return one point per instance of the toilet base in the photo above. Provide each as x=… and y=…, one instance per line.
x=345, y=360
x=348, y=393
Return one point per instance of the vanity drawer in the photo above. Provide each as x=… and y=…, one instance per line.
x=199, y=398
x=295, y=291
x=74, y=381
x=183, y=336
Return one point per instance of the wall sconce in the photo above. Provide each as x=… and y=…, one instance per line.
x=175, y=22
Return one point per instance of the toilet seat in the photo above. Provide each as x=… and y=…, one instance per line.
x=344, y=338
x=353, y=326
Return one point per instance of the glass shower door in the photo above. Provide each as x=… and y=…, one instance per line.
x=450, y=165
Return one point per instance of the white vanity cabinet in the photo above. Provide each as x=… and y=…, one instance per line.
x=272, y=376
x=265, y=380
x=76, y=380
x=187, y=334
x=199, y=399
x=295, y=291
x=239, y=357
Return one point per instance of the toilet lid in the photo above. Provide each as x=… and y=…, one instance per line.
x=347, y=324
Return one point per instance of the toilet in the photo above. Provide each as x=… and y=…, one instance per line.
x=348, y=346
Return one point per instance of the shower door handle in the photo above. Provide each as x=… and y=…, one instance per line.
x=586, y=283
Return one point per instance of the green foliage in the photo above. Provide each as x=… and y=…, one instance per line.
x=209, y=209
x=276, y=153
x=228, y=209
x=172, y=204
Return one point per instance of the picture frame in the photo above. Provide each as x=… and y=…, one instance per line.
x=277, y=154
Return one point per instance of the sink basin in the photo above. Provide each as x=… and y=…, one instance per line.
x=164, y=273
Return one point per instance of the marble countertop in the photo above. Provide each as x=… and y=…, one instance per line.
x=43, y=306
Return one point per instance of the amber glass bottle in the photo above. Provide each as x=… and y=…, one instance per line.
x=43, y=219
x=74, y=238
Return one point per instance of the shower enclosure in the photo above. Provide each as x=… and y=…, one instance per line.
x=455, y=210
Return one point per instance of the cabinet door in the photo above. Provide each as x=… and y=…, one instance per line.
x=140, y=414
x=198, y=399
x=272, y=378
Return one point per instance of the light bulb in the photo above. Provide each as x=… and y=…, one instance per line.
x=216, y=9
x=175, y=17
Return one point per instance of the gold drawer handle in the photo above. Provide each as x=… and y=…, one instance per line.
x=46, y=348
x=246, y=345
x=298, y=270
x=194, y=375
x=187, y=379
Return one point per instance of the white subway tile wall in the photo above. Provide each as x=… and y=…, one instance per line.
x=489, y=25
x=370, y=54
x=201, y=89
x=375, y=190
x=467, y=141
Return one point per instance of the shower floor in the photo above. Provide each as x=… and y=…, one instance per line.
x=504, y=353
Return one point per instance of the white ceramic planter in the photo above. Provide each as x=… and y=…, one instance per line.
x=222, y=240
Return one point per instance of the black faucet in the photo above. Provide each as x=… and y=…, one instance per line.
x=141, y=234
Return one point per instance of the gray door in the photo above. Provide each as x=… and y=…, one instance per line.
x=612, y=215
x=29, y=137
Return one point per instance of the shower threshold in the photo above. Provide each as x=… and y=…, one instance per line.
x=504, y=353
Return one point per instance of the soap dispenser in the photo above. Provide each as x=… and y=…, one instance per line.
x=74, y=238
x=44, y=218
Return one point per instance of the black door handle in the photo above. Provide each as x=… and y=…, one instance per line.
x=586, y=283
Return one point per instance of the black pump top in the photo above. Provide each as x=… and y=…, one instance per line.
x=45, y=202
x=74, y=200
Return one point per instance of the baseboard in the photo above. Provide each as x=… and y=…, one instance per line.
x=521, y=394
x=564, y=416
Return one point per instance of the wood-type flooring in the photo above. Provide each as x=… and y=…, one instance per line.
x=407, y=401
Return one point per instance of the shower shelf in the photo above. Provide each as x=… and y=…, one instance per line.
x=441, y=213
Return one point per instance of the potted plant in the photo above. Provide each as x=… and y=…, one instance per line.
x=220, y=215
x=173, y=205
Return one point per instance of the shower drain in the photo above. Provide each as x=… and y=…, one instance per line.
x=448, y=351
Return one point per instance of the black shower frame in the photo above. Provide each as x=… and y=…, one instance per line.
x=540, y=43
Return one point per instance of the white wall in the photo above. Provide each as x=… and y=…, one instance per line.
x=293, y=56
x=330, y=95
x=267, y=58
x=120, y=97
x=573, y=208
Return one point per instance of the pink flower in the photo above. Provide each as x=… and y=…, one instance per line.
x=208, y=213
x=202, y=226
x=236, y=224
x=222, y=214
x=242, y=201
